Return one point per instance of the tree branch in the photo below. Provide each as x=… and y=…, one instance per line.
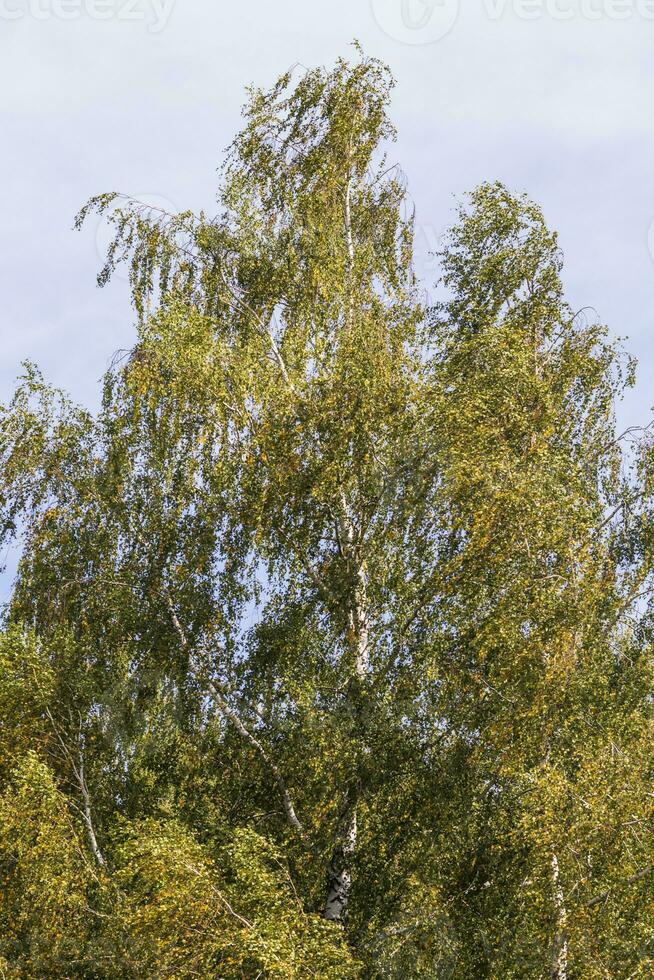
x=229, y=712
x=78, y=771
x=289, y=808
x=598, y=899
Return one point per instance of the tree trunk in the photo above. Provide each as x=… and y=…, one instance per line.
x=560, y=948
x=339, y=869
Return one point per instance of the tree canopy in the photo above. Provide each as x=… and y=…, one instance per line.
x=329, y=653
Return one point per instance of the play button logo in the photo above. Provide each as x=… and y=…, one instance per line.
x=416, y=21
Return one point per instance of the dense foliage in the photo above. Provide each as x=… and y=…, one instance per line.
x=330, y=648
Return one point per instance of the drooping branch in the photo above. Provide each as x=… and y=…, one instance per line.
x=232, y=715
x=287, y=801
x=264, y=329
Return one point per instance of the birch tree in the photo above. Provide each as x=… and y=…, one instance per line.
x=329, y=649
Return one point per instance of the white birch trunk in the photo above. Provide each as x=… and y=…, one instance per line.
x=560, y=949
x=339, y=870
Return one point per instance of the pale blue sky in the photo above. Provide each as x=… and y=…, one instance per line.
x=555, y=99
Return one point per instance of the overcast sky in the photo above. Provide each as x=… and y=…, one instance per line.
x=142, y=96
